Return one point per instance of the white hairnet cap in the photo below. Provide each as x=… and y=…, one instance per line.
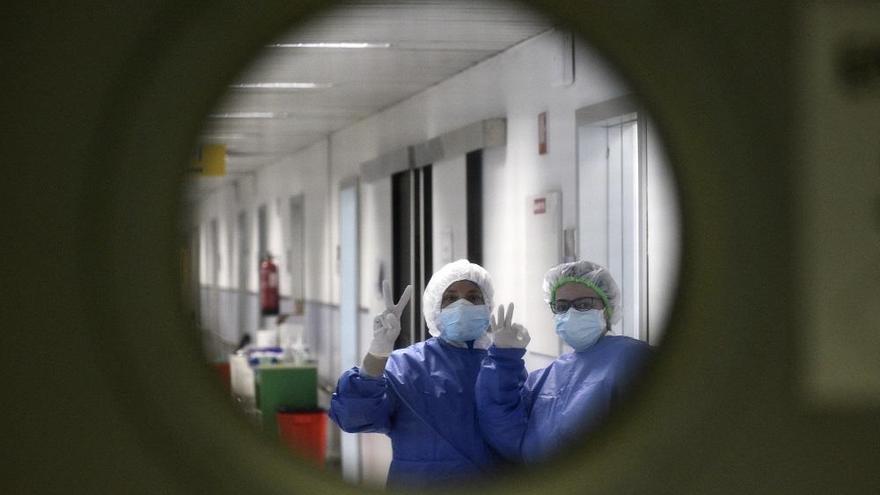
x=446, y=276
x=590, y=274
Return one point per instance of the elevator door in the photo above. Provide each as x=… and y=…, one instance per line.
x=610, y=220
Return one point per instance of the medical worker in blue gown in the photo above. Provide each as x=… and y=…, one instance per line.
x=526, y=417
x=423, y=396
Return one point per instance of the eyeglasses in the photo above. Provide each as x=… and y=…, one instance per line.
x=473, y=298
x=582, y=304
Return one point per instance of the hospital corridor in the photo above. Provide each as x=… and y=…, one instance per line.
x=453, y=246
x=382, y=142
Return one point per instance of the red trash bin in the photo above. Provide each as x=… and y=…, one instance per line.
x=223, y=371
x=304, y=432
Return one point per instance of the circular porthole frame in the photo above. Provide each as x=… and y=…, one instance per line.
x=686, y=408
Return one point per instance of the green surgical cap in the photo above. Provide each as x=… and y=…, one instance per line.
x=590, y=274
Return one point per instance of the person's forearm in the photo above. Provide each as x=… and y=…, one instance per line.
x=373, y=365
x=502, y=410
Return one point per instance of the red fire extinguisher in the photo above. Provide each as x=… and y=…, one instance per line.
x=268, y=287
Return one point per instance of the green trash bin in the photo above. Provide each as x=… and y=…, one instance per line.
x=284, y=387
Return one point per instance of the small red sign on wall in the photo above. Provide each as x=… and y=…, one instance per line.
x=542, y=133
x=540, y=206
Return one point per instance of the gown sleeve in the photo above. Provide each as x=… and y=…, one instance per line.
x=503, y=401
x=362, y=403
x=629, y=363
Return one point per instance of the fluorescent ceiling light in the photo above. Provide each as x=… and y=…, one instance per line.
x=331, y=45
x=224, y=137
x=282, y=85
x=249, y=115
x=278, y=115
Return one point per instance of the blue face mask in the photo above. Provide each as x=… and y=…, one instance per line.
x=580, y=329
x=462, y=321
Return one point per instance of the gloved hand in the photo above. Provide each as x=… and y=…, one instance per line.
x=386, y=326
x=506, y=334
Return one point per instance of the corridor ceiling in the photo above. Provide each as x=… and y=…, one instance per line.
x=416, y=44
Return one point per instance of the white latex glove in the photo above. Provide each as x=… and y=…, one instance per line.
x=386, y=326
x=506, y=334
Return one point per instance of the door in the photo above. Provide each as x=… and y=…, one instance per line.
x=624, y=241
x=349, y=281
x=262, y=321
x=610, y=210
x=411, y=209
x=214, y=286
x=244, y=263
x=191, y=275
x=262, y=233
x=628, y=212
x=296, y=254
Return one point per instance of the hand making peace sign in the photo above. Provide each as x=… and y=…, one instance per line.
x=386, y=326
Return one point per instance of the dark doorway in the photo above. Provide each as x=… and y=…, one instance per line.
x=412, y=247
x=474, y=195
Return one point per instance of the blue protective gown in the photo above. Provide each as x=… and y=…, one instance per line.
x=526, y=417
x=425, y=403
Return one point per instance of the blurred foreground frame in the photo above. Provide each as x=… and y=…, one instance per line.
x=106, y=393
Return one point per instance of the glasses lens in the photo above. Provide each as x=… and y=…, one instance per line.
x=561, y=306
x=588, y=303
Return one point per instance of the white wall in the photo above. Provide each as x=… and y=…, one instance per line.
x=304, y=173
x=664, y=236
x=449, y=210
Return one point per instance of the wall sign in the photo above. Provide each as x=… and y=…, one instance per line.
x=540, y=206
x=209, y=160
